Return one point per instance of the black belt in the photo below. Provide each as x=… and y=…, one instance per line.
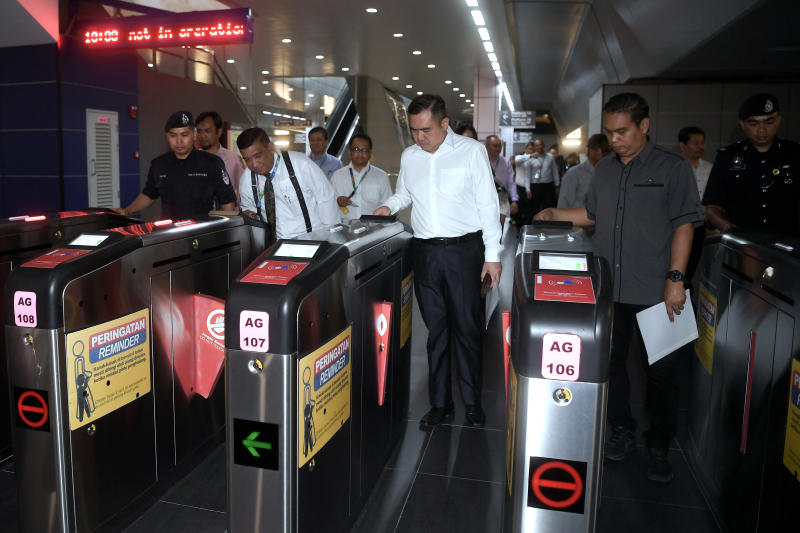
x=447, y=241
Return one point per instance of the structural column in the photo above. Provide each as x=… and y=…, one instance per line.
x=487, y=102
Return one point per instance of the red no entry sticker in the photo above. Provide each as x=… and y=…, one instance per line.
x=32, y=410
x=557, y=485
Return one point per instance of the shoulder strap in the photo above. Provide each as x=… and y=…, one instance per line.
x=254, y=182
x=297, y=190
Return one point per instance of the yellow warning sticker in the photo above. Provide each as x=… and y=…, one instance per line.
x=108, y=366
x=406, y=292
x=323, y=395
x=706, y=328
x=791, y=448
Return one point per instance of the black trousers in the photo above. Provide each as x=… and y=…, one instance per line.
x=543, y=195
x=661, y=381
x=447, y=282
x=524, y=208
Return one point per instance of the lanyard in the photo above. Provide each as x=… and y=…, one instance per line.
x=270, y=178
x=353, y=178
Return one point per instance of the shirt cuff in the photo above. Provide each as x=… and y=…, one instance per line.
x=491, y=255
x=686, y=219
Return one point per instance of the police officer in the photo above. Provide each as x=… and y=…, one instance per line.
x=755, y=183
x=187, y=180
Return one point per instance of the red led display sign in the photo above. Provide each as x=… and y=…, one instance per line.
x=225, y=26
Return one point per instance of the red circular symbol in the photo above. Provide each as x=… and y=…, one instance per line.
x=38, y=406
x=575, y=488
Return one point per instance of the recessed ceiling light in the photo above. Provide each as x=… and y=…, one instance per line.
x=495, y=65
x=267, y=94
x=264, y=82
x=397, y=35
x=419, y=92
x=477, y=16
x=265, y=112
x=311, y=95
x=462, y=95
x=431, y=66
x=282, y=143
x=395, y=78
x=319, y=57
x=371, y=10
x=322, y=108
x=286, y=41
x=296, y=118
x=345, y=69
x=488, y=46
x=472, y=3
x=264, y=72
x=492, y=57
x=456, y=89
x=484, y=33
x=243, y=87
x=230, y=61
x=408, y=86
x=307, y=103
x=281, y=132
x=150, y=65
x=472, y=105
x=290, y=89
x=467, y=100
x=417, y=52
x=448, y=82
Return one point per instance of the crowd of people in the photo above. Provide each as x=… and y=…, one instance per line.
x=650, y=208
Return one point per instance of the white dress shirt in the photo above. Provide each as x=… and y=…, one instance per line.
x=372, y=189
x=452, y=192
x=541, y=169
x=701, y=174
x=317, y=192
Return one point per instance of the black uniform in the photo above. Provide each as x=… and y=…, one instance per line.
x=187, y=187
x=760, y=191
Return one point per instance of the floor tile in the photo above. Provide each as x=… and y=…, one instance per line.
x=409, y=452
x=617, y=515
x=385, y=505
x=448, y=505
x=173, y=518
x=205, y=487
x=465, y=452
x=8, y=502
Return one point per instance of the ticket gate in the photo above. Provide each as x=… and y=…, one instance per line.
x=23, y=237
x=743, y=441
x=560, y=339
x=113, y=339
x=317, y=369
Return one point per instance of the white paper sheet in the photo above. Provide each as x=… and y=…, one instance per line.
x=492, y=299
x=662, y=337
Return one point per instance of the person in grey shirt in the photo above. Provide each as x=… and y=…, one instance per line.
x=644, y=206
x=576, y=181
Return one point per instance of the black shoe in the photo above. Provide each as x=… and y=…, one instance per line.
x=436, y=416
x=620, y=442
x=475, y=416
x=658, y=467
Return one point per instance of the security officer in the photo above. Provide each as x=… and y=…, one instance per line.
x=186, y=179
x=755, y=183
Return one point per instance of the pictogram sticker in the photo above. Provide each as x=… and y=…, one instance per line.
x=32, y=409
x=575, y=289
x=55, y=257
x=274, y=272
x=557, y=485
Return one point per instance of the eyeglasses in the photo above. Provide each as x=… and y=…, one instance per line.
x=357, y=149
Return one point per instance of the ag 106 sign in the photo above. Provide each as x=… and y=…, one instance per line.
x=225, y=26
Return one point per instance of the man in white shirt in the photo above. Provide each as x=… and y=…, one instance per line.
x=455, y=218
x=692, y=142
x=209, y=129
x=265, y=163
x=576, y=181
x=544, y=178
x=360, y=187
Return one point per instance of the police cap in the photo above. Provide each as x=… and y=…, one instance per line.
x=757, y=105
x=179, y=119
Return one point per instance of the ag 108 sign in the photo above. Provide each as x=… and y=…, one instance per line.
x=225, y=26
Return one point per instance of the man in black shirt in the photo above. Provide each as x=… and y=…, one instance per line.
x=755, y=183
x=186, y=180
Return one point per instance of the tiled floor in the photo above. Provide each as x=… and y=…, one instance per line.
x=449, y=480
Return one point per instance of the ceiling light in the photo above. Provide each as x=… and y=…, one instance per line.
x=231, y=61
x=431, y=66
x=484, y=33
x=150, y=65
x=417, y=52
x=319, y=57
x=265, y=112
x=448, y=82
x=488, y=46
x=311, y=95
x=495, y=65
x=281, y=132
x=467, y=100
x=286, y=41
x=408, y=86
x=397, y=35
x=477, y=16
x=296, y=118
x=472, y=105
x=267, y=94
x=282, y=143
x=307, y=103
x=498, y=73
x=322, y=108
x=492, y=57
x=264, y=82
x=472, y=3
x=345, y=69
x=264, y=72
x=243, y=87
x=371, y=10
x=286, y=116
x=419, y=92
x=462, y=95
x=456, y=89
x=395, y=78
x=290, y=89
x=571, y=142
x=288, y=99
x=574, y=134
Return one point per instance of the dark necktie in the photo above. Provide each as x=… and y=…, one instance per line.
x=269, y=207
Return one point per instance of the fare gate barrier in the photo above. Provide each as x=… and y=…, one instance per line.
x=744, y=415
x=23, y=237
x=114, y=344
x=557, y=381
x=317, y=369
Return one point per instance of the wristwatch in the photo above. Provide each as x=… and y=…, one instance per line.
x=675, y=275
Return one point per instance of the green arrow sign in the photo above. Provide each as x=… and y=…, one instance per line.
x=251, y=444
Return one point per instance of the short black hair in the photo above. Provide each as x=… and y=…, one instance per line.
x=250, y=136
x=686, y=133
x=214, y=116
x=598, y=141
x=631, y=103
x=554, y=146
x=318, y=129
x=432, y=102
x=462, y=129
x=363, y=136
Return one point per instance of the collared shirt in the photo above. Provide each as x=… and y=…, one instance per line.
x=759, y=191
x=701, y=173
x=317, y=192
x=575, y=185
x=327, y=163
x=452, y=192
x=233, y=164
x=637, y=207
x=187, y=187
x=504, y=176
x=371, y=191
x=541, y=169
